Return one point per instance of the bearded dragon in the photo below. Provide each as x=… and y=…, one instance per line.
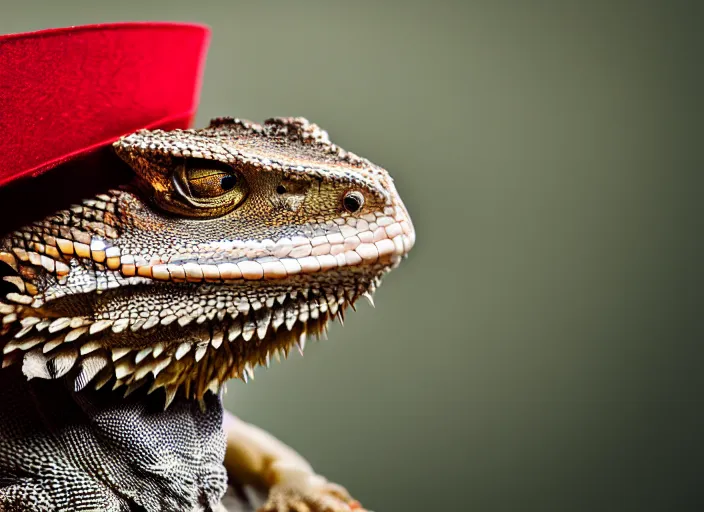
x=197, y=256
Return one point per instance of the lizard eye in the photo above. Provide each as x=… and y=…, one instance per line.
x=209, y=183
x=207, y=189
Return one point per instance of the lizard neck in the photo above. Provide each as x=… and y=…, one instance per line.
x=95, y=450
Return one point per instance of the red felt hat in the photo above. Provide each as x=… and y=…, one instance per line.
x=65, y=92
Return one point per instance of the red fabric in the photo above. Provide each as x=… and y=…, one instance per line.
x=65, y=92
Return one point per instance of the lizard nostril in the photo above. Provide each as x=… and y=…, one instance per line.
x=280, y=189
x=353, y=201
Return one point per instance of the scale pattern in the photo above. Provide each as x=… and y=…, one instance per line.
x=123, y=314
x=64, y=451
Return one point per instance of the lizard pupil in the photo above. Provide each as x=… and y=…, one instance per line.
x=353, y=201
x=228, y=182
x=280, y=189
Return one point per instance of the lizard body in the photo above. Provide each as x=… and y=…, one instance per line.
x=125, y=313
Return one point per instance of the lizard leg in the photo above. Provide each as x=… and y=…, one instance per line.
x=255, y=457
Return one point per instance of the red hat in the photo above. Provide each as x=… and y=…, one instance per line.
x=65, y=92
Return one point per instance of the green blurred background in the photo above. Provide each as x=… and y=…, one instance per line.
x=541, y=348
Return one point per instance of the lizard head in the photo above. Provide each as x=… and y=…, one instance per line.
x=233, y=243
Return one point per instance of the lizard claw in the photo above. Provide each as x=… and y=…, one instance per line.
x=318, y=496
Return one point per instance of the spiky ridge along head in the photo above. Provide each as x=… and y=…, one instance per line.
x=233, y=242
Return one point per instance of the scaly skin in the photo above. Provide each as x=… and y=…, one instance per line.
x=233, y=243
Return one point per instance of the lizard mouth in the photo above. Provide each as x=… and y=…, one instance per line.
x=383, y=238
